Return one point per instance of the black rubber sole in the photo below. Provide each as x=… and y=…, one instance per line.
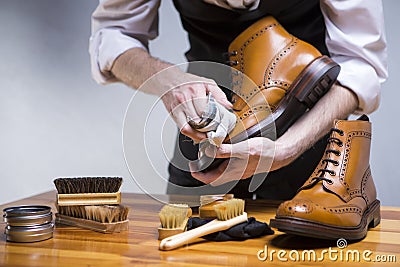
x=297, y=226
x=313, y=82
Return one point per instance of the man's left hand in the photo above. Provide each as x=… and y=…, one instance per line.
x=247, y=158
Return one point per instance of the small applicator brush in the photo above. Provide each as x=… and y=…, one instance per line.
x=173, y=218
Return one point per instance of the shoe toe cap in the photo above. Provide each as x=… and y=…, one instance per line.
x=296, y=208
x=313, y=212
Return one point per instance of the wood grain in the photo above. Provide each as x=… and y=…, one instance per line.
x=139, y=246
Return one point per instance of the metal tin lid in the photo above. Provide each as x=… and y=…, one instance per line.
x=26, y=210
x=27, y=215
x=29, y=233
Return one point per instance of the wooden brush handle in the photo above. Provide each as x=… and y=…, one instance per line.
x=93, y=225
x=178, y=240
x=89, y=199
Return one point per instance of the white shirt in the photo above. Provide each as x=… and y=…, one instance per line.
x=355, y=38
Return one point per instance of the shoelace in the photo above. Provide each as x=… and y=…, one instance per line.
x=328, y=160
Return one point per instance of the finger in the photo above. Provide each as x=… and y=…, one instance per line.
x=219, y=95
x=238, y=150
x=199, y=98
x=209, y=176
x=224, y=151
x=180, y=118
x=184, y=109
x=228, y=171
x=204, y=177
x=190, y=132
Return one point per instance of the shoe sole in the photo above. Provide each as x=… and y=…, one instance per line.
x=305, y=91
x=302, y=227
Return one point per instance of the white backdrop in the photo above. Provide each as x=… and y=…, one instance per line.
x=56, y=121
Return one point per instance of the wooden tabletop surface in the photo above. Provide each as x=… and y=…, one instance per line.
x=139, y=246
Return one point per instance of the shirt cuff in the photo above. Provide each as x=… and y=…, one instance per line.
x=104, y=47
x=367, y=88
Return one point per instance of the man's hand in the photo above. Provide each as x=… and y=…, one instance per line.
x=255, y=155
x=190, y=100
x=183, y=94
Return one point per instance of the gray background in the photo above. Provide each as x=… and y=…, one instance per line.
x=56, y=121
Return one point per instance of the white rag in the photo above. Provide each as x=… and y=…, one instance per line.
x=217, y=121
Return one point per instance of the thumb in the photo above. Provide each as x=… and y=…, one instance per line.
x=228, y=151
x=219, y=95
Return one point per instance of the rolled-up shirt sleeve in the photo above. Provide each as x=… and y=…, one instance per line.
x=117, y=26
x=355, y=38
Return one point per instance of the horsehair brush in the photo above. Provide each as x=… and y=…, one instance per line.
x=229, y=213
x=88, y=191
x=102, y=218
x=173, y=219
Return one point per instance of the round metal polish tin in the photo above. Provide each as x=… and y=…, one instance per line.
x=28, y=223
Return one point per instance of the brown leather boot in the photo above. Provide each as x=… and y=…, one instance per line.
x=339, y=198
x=290, y=76
x=277, y=78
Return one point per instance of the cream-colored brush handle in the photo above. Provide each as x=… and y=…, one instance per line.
x=178, y=240
x=89, y=199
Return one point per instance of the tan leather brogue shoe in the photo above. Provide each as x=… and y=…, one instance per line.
x=339, y=198
x=289, y=75
x=276, y=79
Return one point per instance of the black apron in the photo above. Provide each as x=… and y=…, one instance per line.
x=210, y=31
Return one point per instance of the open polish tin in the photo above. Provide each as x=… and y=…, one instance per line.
x=28, y=223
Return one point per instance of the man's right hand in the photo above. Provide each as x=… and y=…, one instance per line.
x=190, y=100
x=183, y=94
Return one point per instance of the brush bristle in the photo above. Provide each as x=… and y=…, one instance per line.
x=173, y=215
x=80, y=185
x=101, y=213
x=229, y=209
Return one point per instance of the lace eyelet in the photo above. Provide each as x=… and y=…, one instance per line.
x=232, y=62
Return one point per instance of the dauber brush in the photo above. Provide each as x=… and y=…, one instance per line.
x=173, y=219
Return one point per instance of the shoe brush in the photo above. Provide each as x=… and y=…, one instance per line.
x=88, y=191
x=100, y=218
x=229, y=213
x=207, y=203
x=173, y=218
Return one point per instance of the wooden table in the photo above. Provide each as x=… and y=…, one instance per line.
x=139, y=246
